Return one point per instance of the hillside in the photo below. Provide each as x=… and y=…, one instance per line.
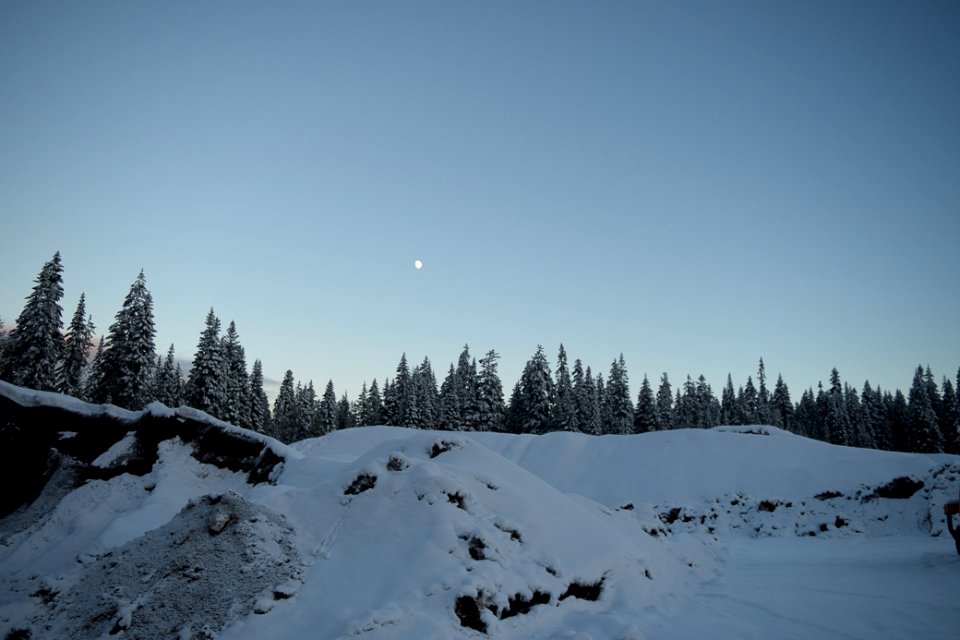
x=167, y=523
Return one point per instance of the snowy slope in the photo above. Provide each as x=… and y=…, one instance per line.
x=382, y=532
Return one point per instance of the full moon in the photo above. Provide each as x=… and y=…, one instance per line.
x=417, y=264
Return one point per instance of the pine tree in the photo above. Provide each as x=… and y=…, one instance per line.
x=327, y=412
x=585, y=394
x=665, y=416
x=871, y=412
x=565, y=403
x=729, y=410
x=536, y=385
x=467, y=389
x=389, y=403
x=603, y=409
x=77, y=346
x=259, y=405
x=898, y=417
x=307, y=410
x=859, y=437
x=128, y=359
x=835, y=419
x=764, y=411
x=285, y=418
x=35, y=344
x=167, y=386
x=619, y=403
x=807, y=416
x=923, y=435
x=345, y=417
x=513, y=420
x=236, y=387
x=708, y=409
x=950, y=420
x=403, y=392
x=206, y=386
x=747, y=400
x=426, y=396
x=645, y=417
x=685, y=408
x=449, y=409
x=490, y=409
x=374, y=404
x=782, y=406
x=94, y=384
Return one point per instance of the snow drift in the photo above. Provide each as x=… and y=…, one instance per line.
x=167, y=523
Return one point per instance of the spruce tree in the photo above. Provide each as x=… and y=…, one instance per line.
x=859, y=437
x=95, y=384
x=645, y=416
x=923, y=434
x=871, y=412
x=403, y=393
x=565, y=403
x=685, y=408
x=665, y=416
x=79, y=340
x=206, y=386
x=307, y=410
x=327, y=413
x=167, y=386
x=426, y=396
x=389, y=403
x=345, y=417
x=35, y=345
x=782, y=407
x=806, y=417
x=748, y=403
x=536, y=386
x=898, y=417
x=374, y=404
x=708, y=408
x=835, y=419
x=729, y=410
x=950, y=420
x=585, y=394
x=490, y=409
x=764, y=412
x=236, y=387
x=128, y=359
x=259, y=405
x=513, y=419
x=467, y=389
x=619, y=403
x=450, y=418
x=285, y=418
x=603, y=409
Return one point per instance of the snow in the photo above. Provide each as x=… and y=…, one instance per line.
x=382, y=532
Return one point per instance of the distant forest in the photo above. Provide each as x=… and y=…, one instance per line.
x=126, y=370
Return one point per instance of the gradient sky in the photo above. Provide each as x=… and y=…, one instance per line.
x=693, y=184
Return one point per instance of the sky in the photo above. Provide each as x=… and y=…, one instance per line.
x=692, y=184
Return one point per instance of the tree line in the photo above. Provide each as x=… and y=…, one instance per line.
x=125, y=370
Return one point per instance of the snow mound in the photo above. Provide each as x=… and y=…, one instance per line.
x=433, y=535
x=171, y=581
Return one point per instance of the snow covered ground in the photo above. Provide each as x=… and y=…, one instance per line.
x=381, y=532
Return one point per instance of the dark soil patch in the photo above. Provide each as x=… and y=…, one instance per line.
x=468, y=612
x=768, y=505
x=519, y=604
x=901, y=488
x=585, y=590
x=442, y=446
x=363, y=482
x=828, y=495
x=457, y=499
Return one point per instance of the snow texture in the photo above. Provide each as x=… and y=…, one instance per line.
x=382, y=532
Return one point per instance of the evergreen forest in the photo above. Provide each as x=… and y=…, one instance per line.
x=123, y=367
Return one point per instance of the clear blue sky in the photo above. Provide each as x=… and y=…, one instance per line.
x=694, y=184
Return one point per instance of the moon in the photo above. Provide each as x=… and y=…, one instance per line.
x=417, y=264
